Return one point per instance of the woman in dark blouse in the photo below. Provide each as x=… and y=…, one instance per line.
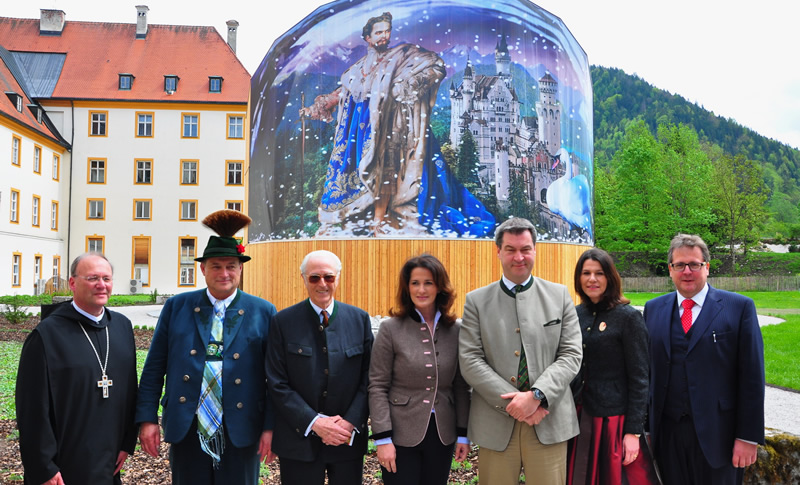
x=612, y=401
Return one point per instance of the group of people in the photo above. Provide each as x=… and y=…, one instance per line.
x=563, y=393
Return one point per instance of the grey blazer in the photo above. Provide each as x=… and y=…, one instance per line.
x=411, y=374
x=494, y=329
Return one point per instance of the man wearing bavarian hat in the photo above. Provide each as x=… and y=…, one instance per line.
x=210, y=345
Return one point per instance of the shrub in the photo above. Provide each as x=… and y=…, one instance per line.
x=14, y=312
x=26, y=300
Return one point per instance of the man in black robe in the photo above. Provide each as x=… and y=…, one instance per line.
x=76, y=386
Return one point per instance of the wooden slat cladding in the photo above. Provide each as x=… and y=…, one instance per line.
x=370, y=267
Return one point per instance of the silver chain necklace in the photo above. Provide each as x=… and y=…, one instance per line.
x=105, y=382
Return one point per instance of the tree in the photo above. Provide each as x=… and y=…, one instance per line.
x=517, y=197
x=688, y=171
x=466, y=170
x=642, y=212
x=605, y=205
x=740, y=194
x=449, y=154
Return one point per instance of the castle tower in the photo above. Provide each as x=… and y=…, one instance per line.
x=468, y=87
x=502, y=60
x=548, y=109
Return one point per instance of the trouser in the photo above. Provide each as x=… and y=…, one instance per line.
x=428, y=463
x=543, y=464
x=681, y=460
x=294, y=472
x=192, y=466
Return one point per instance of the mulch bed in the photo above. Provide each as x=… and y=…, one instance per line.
x=142, y=469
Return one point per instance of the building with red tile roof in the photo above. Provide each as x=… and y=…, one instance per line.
x=31, y=187
x=148, y=123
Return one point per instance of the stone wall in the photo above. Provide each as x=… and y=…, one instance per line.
x=778, y=461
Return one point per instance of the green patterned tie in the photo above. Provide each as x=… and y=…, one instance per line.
x=523, y=383
x=209, y=411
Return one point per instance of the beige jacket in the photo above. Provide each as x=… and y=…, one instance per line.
x=494, y=329
x=411, y=374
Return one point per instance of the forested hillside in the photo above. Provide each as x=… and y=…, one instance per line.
x=625, y=104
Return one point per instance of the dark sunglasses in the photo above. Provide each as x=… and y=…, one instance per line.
x=314, y=278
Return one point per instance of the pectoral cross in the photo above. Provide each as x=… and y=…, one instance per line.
x=105, y=383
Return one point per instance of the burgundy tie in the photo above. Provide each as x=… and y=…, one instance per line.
x=686, y=318
x=325, y=318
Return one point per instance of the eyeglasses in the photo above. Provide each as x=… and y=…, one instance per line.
x=95, y=278
x=681, y=266
x=314, y=278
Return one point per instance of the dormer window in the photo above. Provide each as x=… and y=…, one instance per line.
x=37, y=111
x=170, y=83
x=16, y=99
x=125, y=81
x=214, y=84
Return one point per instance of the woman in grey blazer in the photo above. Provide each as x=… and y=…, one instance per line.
x=612, y=403
x=418, y=401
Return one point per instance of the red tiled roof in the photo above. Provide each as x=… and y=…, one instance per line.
x=96, y=53
x=7, y=108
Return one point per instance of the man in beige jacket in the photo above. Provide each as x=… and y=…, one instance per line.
x=519, y=348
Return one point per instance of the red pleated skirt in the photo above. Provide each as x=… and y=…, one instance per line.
x=595, y=456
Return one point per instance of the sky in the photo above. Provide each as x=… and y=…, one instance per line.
x=735, y=58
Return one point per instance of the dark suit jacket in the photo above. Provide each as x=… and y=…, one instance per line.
x=724, y=367
x=412, y=373
x=312, y=370
x=178, y=351
x=615, y=363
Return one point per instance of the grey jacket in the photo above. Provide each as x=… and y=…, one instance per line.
x=411, y=374
x=495, y=327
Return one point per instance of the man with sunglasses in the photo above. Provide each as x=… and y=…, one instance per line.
x=706, y=374
x=317, y=371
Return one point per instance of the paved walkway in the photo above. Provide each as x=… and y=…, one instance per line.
x=780, y=411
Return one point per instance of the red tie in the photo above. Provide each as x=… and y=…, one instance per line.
x=325, y=318
x=686, y=318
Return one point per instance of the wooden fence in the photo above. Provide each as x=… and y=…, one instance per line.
x=370, y=267
x=659, y=284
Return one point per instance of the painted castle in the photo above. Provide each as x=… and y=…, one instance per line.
x=488, y=106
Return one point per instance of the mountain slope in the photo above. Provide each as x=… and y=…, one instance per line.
x=620, y=98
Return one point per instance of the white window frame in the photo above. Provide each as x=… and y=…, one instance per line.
x=142, y=210
x=97, y=171
x=188, y=210
x=234, y=170
x=97, y=208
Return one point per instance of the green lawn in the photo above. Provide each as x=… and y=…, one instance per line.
x=9, y=361
x=782, y=352
x=773, y=300
x=639, y=299
x=781, y=342
x=114, y=300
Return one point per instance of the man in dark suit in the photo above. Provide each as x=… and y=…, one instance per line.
x=211, y=344
x=317, y=372
x=706, y=374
